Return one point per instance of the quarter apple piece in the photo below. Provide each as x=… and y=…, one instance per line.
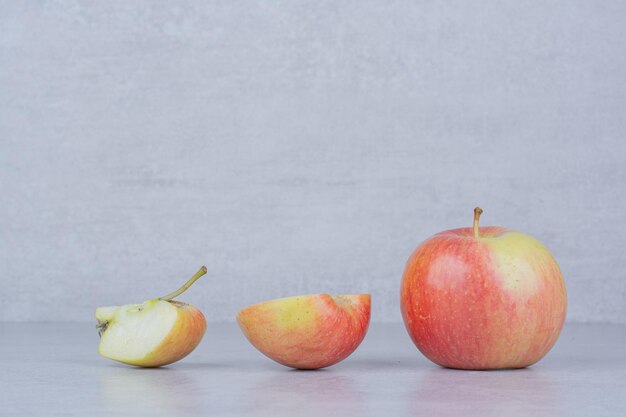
x=154, y=333
x=307, y=331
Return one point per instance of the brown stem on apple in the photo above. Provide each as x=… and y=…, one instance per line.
x=477, y=212
x=186, y=285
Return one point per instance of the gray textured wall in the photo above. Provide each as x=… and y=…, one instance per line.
x=301, y=147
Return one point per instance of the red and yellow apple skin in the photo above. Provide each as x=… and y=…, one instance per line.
x=309, y=331
x=488, y=302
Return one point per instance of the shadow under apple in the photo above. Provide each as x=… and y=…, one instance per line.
x=306, y=393
x=448, y=392
x=170, y=391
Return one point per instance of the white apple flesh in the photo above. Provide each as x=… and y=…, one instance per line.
x=154, y=333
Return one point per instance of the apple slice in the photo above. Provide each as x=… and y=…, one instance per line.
x=154, y=333
x=307, y=331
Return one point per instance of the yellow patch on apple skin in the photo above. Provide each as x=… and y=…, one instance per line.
x=518, y=259
x=294, y=312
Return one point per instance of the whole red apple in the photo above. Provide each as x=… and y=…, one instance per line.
x=483, y=298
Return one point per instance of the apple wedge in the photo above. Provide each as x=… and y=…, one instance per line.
x=154, y=333
x=307, y=331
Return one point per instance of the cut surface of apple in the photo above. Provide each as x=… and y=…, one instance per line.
x=307, y=331
x=154, y=333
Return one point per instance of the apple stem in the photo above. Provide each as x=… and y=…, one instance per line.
x=477, y=212
x=186, y=285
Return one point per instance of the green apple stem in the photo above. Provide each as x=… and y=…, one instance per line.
x=477, y=212
x=186, y=285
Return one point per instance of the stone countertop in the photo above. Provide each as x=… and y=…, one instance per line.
x=54, y=369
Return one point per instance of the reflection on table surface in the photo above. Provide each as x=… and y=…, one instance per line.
x=584, y=375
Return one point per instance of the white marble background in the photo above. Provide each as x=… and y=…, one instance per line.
x=301, y=147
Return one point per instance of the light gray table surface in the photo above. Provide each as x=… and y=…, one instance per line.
x=54, y=369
